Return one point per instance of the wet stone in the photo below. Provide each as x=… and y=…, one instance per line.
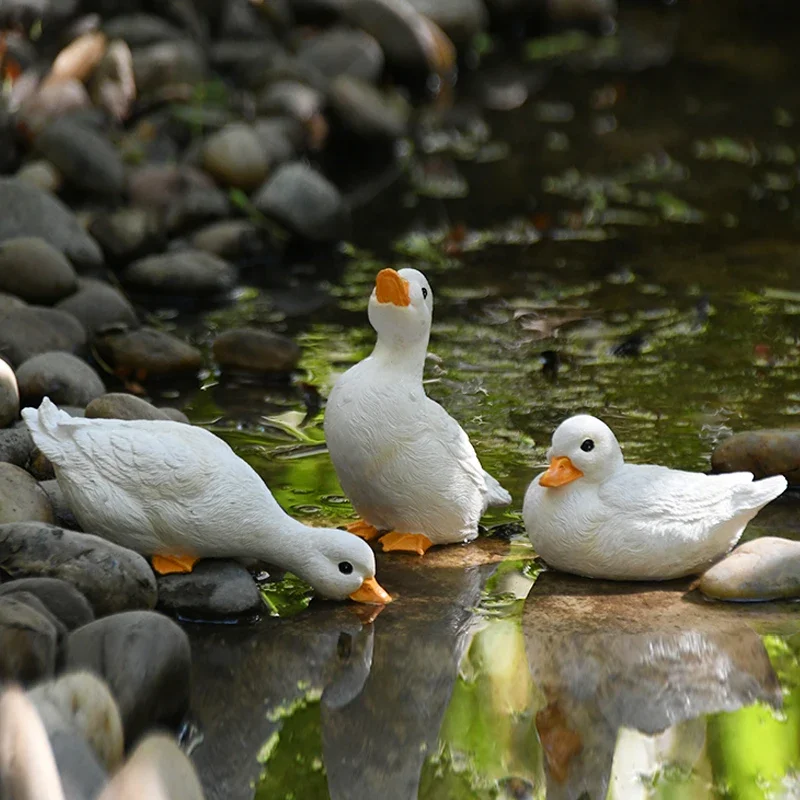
x=305, y=202
x=28, y=642
x=245, y=61
x=459, y=19
x=343, y=51
x=214, y=589
x=117, y=405
x=366, y=111
x=62, y=513
x=255, y=350
x=235, y=157
x=281, y=138
x=21, y=497
x=52, y=100
x=41, y=174
x=149, y=350
x=158, y=186
x=62, y=377
x=9, y=395
x=32, y=269
x=60, y=598
x=111, y=577
x=128, y=233
x=29, y=331
x=8, y=302
x=40, y=466
x=764, y=453
x=83, y=156
x=764, y=569
x=98, y=306
x=145, y=659
x=28, y=211
x=185, y=272
x=231, y=239
x=16, y=446
x=167, y=63
x=141, y=30
x=175, y=414
x=196, y=207
x=291, y=98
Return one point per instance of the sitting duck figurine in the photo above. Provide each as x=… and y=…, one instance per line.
x=406, y=465
x=592, y=514
x=178, y=493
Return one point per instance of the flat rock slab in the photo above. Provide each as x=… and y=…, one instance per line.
x=111, y=577
x=764, y=569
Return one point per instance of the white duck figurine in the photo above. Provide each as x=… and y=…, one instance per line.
x=406, y=465
x=178, y=493
x=592, y=514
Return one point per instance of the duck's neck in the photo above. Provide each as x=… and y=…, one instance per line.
x=401, y=357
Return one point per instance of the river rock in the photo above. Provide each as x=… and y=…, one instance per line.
x=117, y=405
x=764, y=453
x=367, y=111
x=281, y=138
x=8, y=302
x=149, y=351
x=214, y=589
x=291, y=98
x=231, y=239
x=62, y=513
x=459, y=19
x=343, y=51
x=40, y=466
x=111, y=577
x=175, y=414
x=60, y=598
x=32, y=269
x=28, y=211
x=764, y=569
x=28, y=642
x=184, y=272
x=62, y=377
x=304, y=201
x=246, y=61
x=16, y=446
x=28, y=331
x=21, y=497
x=159, y=186
x=168, y=63
x=9, y=394
x=83, y=156
x=128, y=233
x=255, y=350
x=159, y=768
x=41, y=174
x=98, y=306
x=140, y=29
x=145, y=659
x=85, y=703
x=234, y=156
x=51, y=101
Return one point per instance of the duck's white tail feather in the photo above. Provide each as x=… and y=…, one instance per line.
x=755, y=495
x=51, y=428
x=496, y=495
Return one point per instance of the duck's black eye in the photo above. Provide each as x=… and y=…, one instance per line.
x=424, y=293
x=345, y=567
x=587, y=445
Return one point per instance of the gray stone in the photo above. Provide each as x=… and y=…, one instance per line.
x=111, y=577
x=28, y=211
x=60, y=598
x=32, y=269
x=16, y=446
x=128, y=233
x=281, y=138
x=64, y=517
x=41, y=174
x=175, y=414
x=145, y=659
x=305, y=202
x=255, y=350
x=98, y=306
x=343, y=51
x=159, y=186
x=9, y=394
x=184, y=272
x=141, y=30
x=231, y=239
x=367, y=111
x=291, y=98
x=214, y=589
x=235, y=157
x=32, y=601
x=28, y=642
x=62, y=377
x=52, y=100
x=29, y=331
x=167, y=63
x=84, y=156
x=764, y=453
x=82, y=703
x=196, y=207
x=148, y=351
x=21, y=497
x=246, y=61
x=8, y=302
x=117, y=405
x=459, y=19
x=763, y=569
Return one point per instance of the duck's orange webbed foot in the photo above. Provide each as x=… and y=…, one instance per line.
x=167, y=564
x=363, y=529
x=406, y=542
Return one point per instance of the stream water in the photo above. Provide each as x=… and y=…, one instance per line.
x=624, y=243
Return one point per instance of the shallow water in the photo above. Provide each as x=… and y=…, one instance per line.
x=635, y=222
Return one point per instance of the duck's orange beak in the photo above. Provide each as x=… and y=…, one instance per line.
x=560, y=472
x=391, y=288
x=371, y=592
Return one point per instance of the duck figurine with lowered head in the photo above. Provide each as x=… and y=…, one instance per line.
x=178, y=493
x=406, y=465
x=592, y=514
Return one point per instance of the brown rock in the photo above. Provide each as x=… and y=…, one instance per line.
x=256, y=351
x=764, y=453
x=149, y=350
x=117, y=405
x=21, y=497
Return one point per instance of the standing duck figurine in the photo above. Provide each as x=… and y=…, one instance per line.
x=592, y=514
x=178, y=493
x=406, y=465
